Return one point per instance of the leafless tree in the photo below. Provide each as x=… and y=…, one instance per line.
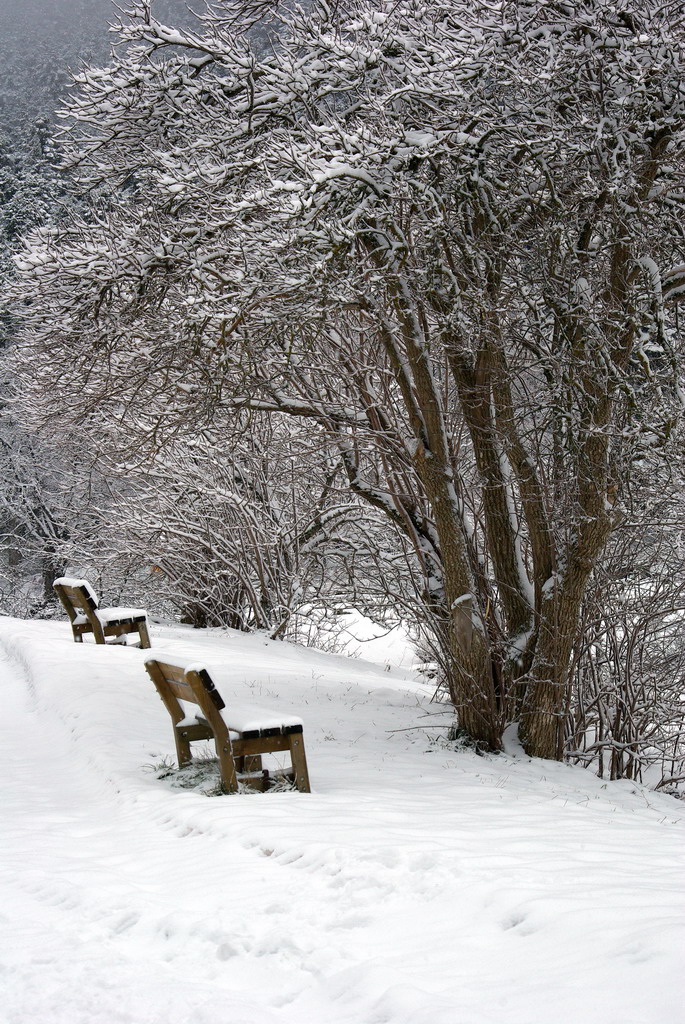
x=627, y=711
x=447, y=237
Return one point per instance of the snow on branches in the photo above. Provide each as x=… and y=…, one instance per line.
x=444, y=235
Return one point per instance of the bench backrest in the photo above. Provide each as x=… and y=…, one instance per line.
x=77, y=597
x=194, y=685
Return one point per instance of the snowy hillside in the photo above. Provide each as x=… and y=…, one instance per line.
x=416, y=884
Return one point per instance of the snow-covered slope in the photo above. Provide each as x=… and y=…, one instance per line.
x=417, y=884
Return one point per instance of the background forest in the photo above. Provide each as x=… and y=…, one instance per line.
x=366, y=307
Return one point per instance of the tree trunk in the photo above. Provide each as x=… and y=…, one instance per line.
x=542, y=722
x=473, y=695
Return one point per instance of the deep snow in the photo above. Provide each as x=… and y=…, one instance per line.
x=417, y=884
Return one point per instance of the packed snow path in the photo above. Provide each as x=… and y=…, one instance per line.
x=417, y=884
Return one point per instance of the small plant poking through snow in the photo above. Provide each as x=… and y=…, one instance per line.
x=459, y=739
x=204, y=775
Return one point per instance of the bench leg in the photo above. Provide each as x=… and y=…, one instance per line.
x=144, y=635
x=98, y=633
x=228, y=772
x=248, y=763
x=183, y=753
x=299, y=762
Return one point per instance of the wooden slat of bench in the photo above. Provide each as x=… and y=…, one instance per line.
x=208, y=683
x=247, y=737
x=181, y=690
x=195, y=732
x=259, y=745
x=172, y=681
x=169, y=671
x=277, y=730
x=175, y=679
x=75, y=600
x=79, y=596
x=126, y=620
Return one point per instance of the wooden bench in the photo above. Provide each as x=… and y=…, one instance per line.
x=241, y=734
x=108, y=625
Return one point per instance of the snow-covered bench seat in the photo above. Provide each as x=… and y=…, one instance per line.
x=241, y=732
x=108, y=625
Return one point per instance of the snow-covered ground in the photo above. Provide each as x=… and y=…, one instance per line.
x=416, y=884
